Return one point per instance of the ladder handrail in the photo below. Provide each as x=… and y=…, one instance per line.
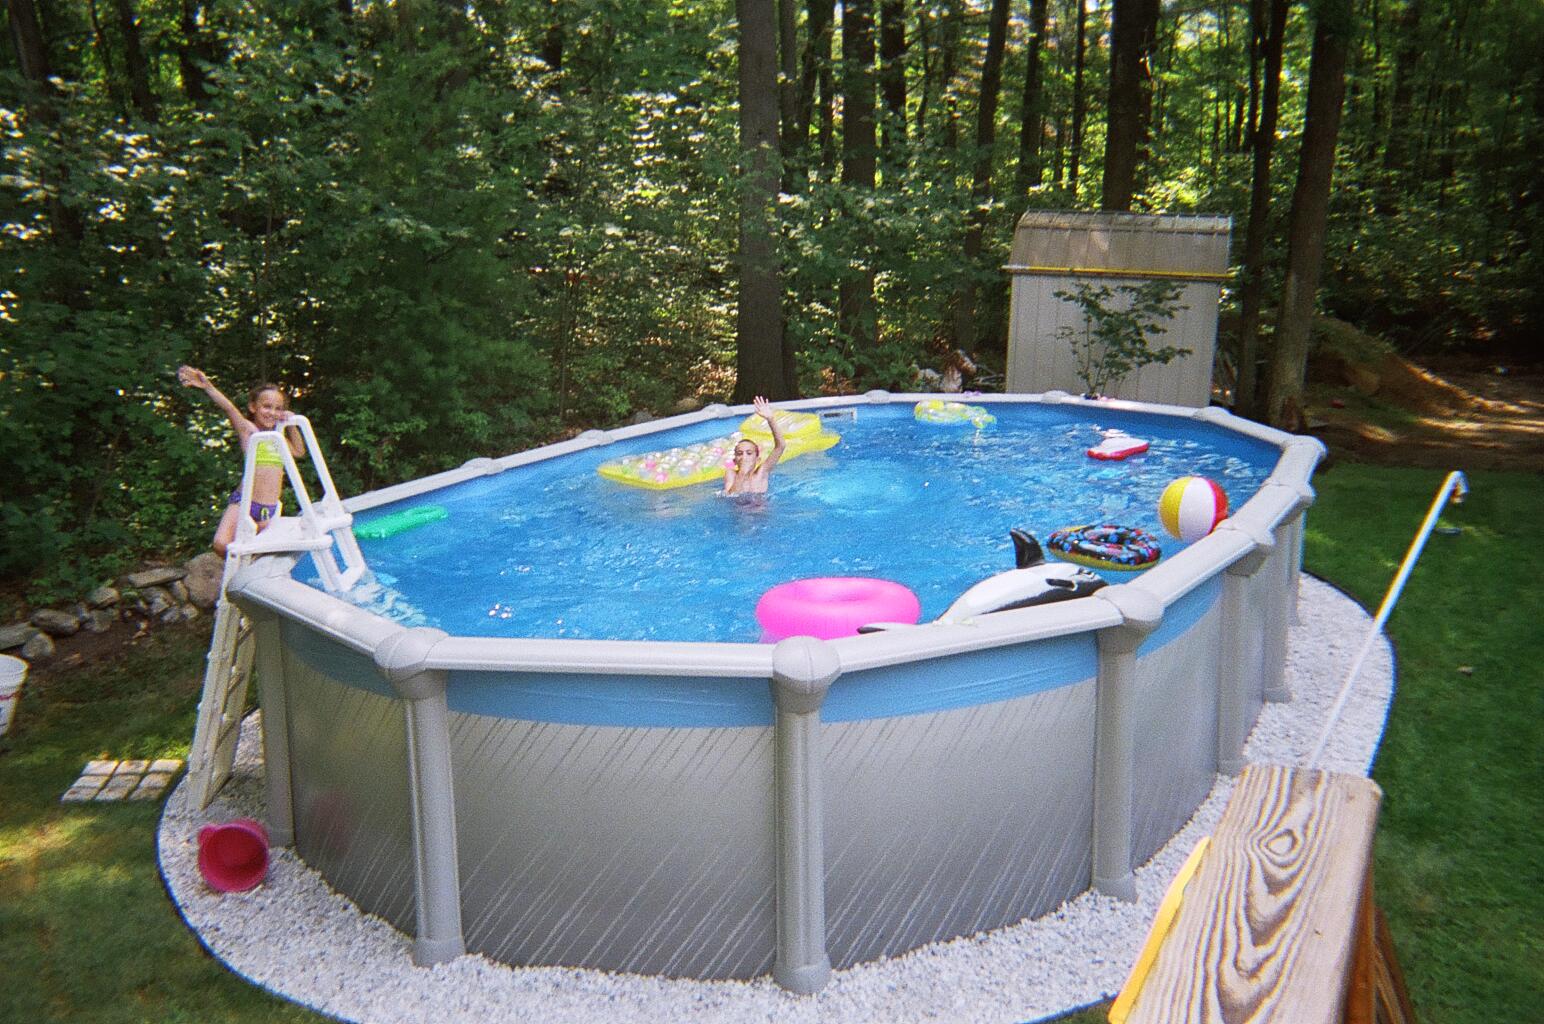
x=322, y=519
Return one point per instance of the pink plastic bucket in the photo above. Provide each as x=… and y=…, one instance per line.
x=233, y=857
x=831, y=606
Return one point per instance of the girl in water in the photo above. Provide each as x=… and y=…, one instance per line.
x=749, y=473
x=269, y=408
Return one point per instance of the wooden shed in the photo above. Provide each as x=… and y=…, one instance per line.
x=1053, y=251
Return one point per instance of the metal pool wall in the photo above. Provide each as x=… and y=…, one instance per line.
x=722, y=810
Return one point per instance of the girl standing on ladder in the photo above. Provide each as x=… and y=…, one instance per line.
x=269, y=407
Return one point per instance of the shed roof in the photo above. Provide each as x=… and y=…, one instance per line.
x=1168, y=243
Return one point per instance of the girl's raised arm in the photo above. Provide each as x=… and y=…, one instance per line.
x=195, y=378
x=765, y=410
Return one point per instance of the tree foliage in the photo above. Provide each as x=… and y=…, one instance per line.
x=459, y=229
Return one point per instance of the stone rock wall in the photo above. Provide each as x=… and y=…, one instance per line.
x=154, y=595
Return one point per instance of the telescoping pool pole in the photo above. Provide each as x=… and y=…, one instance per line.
x=1456, y=485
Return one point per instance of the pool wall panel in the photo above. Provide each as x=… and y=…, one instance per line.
x=908, y=860
x=634, y=849
x=349, y=784
x=1175, y=719
x=1254, y=613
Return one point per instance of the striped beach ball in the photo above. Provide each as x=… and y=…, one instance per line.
x=1191, y=507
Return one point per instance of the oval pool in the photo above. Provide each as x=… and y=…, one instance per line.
x=557, y=551
x=614, y=775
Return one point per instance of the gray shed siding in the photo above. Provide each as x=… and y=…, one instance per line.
x=1052, y=251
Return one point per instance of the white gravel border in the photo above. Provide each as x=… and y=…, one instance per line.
x=300, y=940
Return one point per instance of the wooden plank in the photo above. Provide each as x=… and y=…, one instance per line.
x=1394, y=1003
x=1268, y=927
x=1361, y=989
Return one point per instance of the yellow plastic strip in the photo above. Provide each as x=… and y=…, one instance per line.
x=1162, y=275
x=1168, y=910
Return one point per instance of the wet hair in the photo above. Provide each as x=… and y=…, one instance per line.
x=257, y=392
x=746, y=440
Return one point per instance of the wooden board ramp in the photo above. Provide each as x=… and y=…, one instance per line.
x=1276, y=920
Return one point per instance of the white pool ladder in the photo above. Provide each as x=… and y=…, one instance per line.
x=320, y=527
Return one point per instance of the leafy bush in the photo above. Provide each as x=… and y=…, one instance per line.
x=1117, y=322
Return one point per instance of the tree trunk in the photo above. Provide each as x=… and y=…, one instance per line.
x=817, y=59
x=553, y=40
x=105, y=54
x=1257, y=39
x=1240, y=101
x=855, y=298
x=1310, y=213
x=139, y=71
x=788, y=82
x=1131, y=45
x=1272, y=34
x=1031, y=113
x=761, y=365
x=925, y=51
x=32, y=59
x=981, y=176
x=892, y=80
x=193, y=52
x=1079, y=99
x=1407, y=57
x=32, y=54
x=822, y=29
x=1147, y=46
x=953, y=31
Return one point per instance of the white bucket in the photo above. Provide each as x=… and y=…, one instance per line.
x=12, y=673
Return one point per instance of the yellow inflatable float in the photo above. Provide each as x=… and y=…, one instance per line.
x=937, y=410
x=704, y=461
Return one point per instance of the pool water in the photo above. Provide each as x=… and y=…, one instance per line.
x=553, y=550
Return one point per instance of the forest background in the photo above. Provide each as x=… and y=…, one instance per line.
x=458, y=229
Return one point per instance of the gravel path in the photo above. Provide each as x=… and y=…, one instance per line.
x=297, y=938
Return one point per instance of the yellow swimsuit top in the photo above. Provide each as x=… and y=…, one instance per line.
x=268, y=455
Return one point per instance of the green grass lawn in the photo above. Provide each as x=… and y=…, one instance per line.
x=1459, y=871
x=87, y=934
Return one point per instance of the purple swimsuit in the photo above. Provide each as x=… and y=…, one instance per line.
x=259, y=511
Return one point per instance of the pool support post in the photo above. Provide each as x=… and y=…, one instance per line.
x=269, y=658
x=401, y=661
x=268, y=665
x=1233, y=722
x=1299, y=458
x=1115, y=737
x=1295, y=526
x=803, y=670
x=1280, y=608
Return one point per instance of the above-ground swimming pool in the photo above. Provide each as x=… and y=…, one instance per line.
x=556, y=551
x=549, y=735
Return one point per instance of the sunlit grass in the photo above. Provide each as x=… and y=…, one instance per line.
x=1458, y=870
x=87, y=933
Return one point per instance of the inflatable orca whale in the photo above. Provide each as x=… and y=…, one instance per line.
x=1035, y=581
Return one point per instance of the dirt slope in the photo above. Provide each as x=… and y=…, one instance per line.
x=1461, y=415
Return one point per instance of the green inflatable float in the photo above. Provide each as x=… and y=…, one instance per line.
x=397, y=522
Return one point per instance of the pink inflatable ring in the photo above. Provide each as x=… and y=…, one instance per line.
x=827, y=607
